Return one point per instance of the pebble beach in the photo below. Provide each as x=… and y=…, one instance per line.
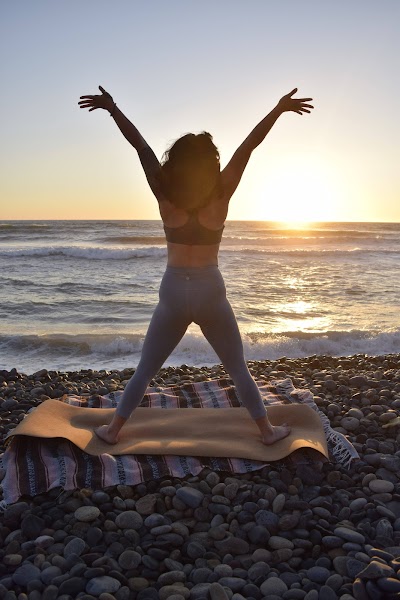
x=295, y=529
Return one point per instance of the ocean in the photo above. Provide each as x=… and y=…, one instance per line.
x=79, y=294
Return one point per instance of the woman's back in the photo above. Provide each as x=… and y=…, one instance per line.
x=193, y=237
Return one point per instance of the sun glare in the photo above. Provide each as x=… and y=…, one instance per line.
x=295, y=224
x=301, y=191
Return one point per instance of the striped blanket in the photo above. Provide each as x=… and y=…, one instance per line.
x=34, y=465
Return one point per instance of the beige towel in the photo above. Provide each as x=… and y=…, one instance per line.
x=225, y=432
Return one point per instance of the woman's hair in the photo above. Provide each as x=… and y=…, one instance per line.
x=190, y=170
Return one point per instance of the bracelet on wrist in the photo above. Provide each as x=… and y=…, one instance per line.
x=113, y=108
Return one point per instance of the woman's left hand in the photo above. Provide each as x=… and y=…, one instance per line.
x=103, y=100
x=298, y=105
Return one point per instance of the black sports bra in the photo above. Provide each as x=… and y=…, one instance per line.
x=193, y=233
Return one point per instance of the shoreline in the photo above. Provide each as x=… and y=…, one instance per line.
x=304, y=529
x=44, y=384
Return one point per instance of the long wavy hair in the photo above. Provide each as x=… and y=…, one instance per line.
x=190, y=170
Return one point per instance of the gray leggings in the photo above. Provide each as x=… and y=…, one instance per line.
x=195, y=294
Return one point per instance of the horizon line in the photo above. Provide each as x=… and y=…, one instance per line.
x=294, y=222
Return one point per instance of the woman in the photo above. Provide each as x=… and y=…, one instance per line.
x=193, y=198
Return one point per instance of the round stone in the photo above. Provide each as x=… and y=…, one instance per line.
x=100, y=497
x=349, y=535
x=138, y=583
x=287, y=522
x=12, y=560
x=350, y=423
x=50, y=573
x=232, y=545
x=72, y=586
x=154, y=520
x=273, y=586
x=146, y=504
x=354, y=567
x=223, y=570
x=375, y=570
x=129, y=519
x=74, y=546
x=31, y=526
x=359, y=590
x=391, y=463
x=356, y=413
x=267, y=519
x=172, y=577
x=327, y=593
x=14, y=511
x=86, y=513
x=168, y=490
x=25, y=573
x=278, y=543
x=160, y=529
x=389, y=584
x=125, y=491
x=334, y=581
x=233, y=583
x=383, y=529
x=318, y=574
x=278, y=503
x=93, y=536
x=169, y=591
x=340, y=565
x=101, y=585
x=217, y=533
x=259, y=569
x=330, y=385
x=190, y=496
x=217, y=592
x=258, y=535
x=380, y=486
x=212, y=479
x=358, y=381
x=358, y=504
x=332, y=541
x=129, y=559
x=195, y=550
x=231, y=490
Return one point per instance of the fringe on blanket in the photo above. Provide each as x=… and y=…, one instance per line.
x=338, y=445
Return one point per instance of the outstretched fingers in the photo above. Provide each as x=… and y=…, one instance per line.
x=303, y=107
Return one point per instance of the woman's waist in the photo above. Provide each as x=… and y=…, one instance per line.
x=182, y=255
x=199, y=271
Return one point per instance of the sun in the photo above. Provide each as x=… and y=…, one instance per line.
x=300, y=191
x=296, y=224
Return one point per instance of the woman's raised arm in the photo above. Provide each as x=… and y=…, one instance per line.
x=148, y=159
x=233, y=171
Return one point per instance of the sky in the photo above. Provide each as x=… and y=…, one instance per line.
x=177, y=66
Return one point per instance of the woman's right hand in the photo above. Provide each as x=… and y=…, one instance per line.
x=103, y=100
x=297, y=105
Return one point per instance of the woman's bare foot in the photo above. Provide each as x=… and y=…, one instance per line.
x=275, y=433
x=103, y=433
